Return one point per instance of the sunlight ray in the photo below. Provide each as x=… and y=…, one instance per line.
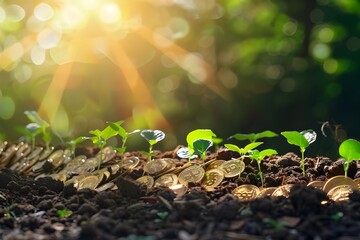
x=200, y=69
x=52, y=98
x=144, y=102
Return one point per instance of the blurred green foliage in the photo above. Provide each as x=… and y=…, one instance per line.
x=284, y=65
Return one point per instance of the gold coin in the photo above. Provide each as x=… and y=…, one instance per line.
x=155, y=166
x=3, y=145
x=168, y=180
x=266, y=191
x=56, y=159
x=246, y=192
x=90, y=182
x=147, y=180
x=357, y=181
x=215, y=164
x=340, y=192
x=179, y=189
x=170, y=164
x=338, y=180
x=62, y=176
x=105, y=187
x=213, y=178
x=316, y=184
x=45, y=154
x=106, y=154
x=129, y=163
x=232, y=168
x=191, y=174
x=282, y=191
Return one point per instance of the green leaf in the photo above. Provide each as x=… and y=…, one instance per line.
x=108, y=133
x=96, y=132
x=64, y=213
x=252, y=137
x=116, y=126
x=152, y=136
x=233, y=147
x=33, y=128
x=201, y=146
x=120, y=150
x=267, y=152
x=251, y=146
x=297, y=139
x=217, y=140
x=77, y=140
x=350, y=150
x=34, y=117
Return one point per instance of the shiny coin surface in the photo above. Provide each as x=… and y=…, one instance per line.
x=191, y=174
x=340, y=192
x=232, y=168
x=179, y=189
x=266, y=191
x=129, y=163
x=215, y=164
x=105, y=187
x=46, y=153
x=316, y=184
x=90, y=182
x=246, y=192
x=56, y=158
x=338, y=180
x=213, y=178
x=282, y=191
x=106, y=154
x=168, y=180
x=147, y=180
x=357, y=181
x=155, y=166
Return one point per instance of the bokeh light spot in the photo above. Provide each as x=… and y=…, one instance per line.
x=14, y=13
x=43, y=12
x=330, y=66
x=7, y=106
x=321, y=51
x=228, y=78
x=326, y=34
x=179, y=27
x=110, y=13
x=2, y=15
x=290, y=28
x=48, y=38
x=287, y=85
x=23, y=73
x=169, y=83
x=37, y=55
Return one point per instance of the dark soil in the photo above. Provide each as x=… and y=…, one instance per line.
x=29, y=207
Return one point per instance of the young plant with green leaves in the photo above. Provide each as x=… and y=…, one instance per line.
x=63, y=213
x=253, y=137
x=74, y=142
x=100, y=139
x=350, y=151
x=302, y=140
x=30, y=132
x=38, y=125
x=243, y=151
x=199, y=141
x=152, y=137
x=116, y=126
x=259, y=156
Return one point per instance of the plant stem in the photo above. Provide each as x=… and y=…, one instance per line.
x=346, y=168
x=101, y=158
x=260, y=173
x=150, y=151
x=302, y=161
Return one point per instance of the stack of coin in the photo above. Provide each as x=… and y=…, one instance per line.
x=338, y=188
x=246, y=192
x=193, y=173
x=159, y=166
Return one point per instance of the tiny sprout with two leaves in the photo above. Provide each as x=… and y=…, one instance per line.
x=350, y=150
x=253, y=137
x=116, y=126
x=302, y=140
x=153, y=137
x=259, y=156
x=199, y=141
x=37, y=126
x=74, y=142
x=63, y=213
x=245, y=150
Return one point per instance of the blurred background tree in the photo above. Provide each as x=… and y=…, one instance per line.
x=177, y=65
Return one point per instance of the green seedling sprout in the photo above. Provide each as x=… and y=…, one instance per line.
x=100, y=139
x=217, y=141
x=123, y=134
x=302, y=140
x=34, y=117
x=259, y=156
x=253, y=137
x=245, y=150
x=153, y=137
x=63, y=213
x=30, y=132
x=196, y=135
x=350, y=150
x=74, y=142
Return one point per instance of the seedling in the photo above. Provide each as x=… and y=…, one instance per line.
x=253, y=137
x=63, y=213
x=73, y=143
x=201, y=146
x=199, y=134
x=100, y=139
x=302, y=140
x=153, y=137
x=350, y=150
x=123, y=134
x=161, y=217
x=30, y=131
x=259, y=156
x=245, y=150
x=34, y=117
